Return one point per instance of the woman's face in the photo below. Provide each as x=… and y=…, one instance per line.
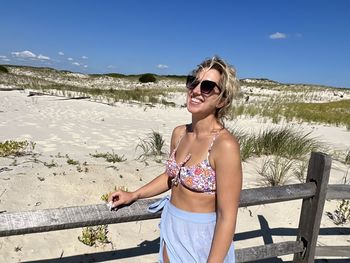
x=199, y=102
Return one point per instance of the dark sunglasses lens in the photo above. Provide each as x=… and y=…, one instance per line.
x=191, y=82
x=207, y=86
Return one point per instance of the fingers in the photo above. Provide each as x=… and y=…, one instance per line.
x=114, y=196
x=119, y=198
x=116, y=199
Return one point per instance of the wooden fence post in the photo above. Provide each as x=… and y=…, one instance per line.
x=312, y=208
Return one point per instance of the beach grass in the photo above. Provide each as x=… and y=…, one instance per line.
x=152, y=145
x=285, y=142
x=333, y=113
x=276, y=170
x=110, y=157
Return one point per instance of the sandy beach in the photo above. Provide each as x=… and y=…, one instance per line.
x=76, y=129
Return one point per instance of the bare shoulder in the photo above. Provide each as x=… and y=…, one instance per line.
x=179, y=129
x=226, y=158
x=177, y=132
x=226, y=141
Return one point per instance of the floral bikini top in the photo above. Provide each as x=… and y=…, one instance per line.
x=200, y=177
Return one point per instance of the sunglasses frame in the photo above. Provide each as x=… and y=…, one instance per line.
x=192, y=82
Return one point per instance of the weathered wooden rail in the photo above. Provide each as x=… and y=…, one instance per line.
x=314, y=193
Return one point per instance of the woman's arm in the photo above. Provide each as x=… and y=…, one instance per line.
x=228, y=169
x=157, y=186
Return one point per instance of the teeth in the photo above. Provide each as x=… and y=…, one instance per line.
x=195, y=100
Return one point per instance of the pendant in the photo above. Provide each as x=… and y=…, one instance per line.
x=175, y=181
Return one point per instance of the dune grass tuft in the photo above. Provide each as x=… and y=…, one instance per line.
x=284, y=142
x=276, y=170
x=152, y=145
x=110, y=157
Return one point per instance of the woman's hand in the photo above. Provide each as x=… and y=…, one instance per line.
x=121, y=197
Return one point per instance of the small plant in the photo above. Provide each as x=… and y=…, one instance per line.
x=347, y=158
x=276, y=171
x=151, y=146
x=3, y=69
x=104, y=197
x=110, y=157
x=59, y=155
x=50, y=165
x=93, y=235
x=83, y=167
x=300, y=170
x=148, y=77
x=15, y=148
x=341, y=215
x=72, y=162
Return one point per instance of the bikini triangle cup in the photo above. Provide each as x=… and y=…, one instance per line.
x=199, y=177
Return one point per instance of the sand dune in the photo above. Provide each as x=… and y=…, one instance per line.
x=79, y=128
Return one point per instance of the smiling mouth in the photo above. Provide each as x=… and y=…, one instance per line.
x=195, y=100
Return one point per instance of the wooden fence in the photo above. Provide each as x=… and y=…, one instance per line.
x=314, y=192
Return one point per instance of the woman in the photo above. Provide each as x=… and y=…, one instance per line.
x=203, y=172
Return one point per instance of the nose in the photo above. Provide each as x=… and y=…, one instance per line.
x=197, y=89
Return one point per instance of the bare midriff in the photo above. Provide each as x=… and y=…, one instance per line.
x=191, y=201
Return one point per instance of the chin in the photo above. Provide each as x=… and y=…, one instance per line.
x=193, y=108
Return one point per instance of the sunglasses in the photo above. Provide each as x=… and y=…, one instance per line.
x=206, y=86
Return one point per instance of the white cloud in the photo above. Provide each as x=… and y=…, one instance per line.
x=278, y=35
x=161, y=66
x=42, y=57
x=70, y=59
x=24, y=54
x=61, y=53
x=110, y=66
x=84, y=57
x=4, y=58
x=85, y=66
x=75, y=64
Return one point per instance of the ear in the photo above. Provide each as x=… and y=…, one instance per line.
x=221, y=103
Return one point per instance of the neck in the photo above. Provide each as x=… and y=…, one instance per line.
x=205, y=126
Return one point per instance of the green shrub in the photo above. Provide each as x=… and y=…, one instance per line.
x=15, y=148
x=92, y=235
x=148, y=77
x=3, y=69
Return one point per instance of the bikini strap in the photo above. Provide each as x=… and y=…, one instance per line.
x=212, y=142
x=188, y=156
x=178, y=142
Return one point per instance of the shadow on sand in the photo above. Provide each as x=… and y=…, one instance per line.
x=144, y=248
x=151, y=247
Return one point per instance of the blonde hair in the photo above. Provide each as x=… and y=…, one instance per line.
x=229, y=84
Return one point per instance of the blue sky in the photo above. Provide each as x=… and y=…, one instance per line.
x=299, y=41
